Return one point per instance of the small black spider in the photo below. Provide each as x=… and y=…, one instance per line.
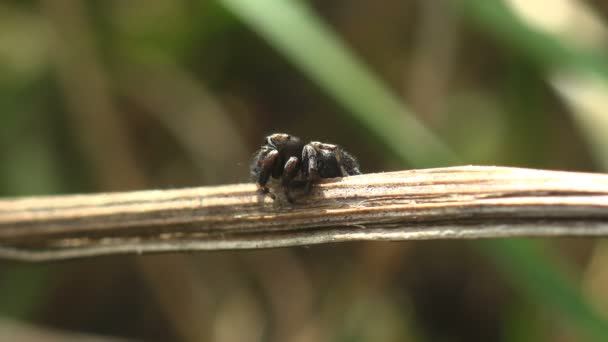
x=295, y=163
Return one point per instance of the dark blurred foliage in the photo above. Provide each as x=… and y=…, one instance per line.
x=125, y=95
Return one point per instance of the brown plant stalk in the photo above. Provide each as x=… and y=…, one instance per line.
x=456, y=202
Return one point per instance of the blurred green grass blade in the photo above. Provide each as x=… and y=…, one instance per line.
x=578, y=74
x=541, y=274
x=545, y=50
x=30, y=166
x=295, y=31
x=24, y=289
x=530, y=267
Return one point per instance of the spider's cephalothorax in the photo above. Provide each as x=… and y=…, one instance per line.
x=287, y=158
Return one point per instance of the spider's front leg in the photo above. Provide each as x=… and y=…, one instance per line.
x=310, y=167
x=289, y=173
x=265, y=165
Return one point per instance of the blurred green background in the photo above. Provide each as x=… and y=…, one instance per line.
x=125, y=95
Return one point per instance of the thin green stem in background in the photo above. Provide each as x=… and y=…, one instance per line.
x=31, y=168
x=558, y=57
x=24, y=289
x=542, y=275
x=297, y=32
x=553, y=54
x=545, y=50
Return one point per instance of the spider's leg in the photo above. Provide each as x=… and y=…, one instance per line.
x=310, y=169
x=289, y=173
x=265, y=165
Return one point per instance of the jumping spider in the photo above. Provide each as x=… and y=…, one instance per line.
x=286, y=157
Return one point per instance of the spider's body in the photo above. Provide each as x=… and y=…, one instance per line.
x=287, y=158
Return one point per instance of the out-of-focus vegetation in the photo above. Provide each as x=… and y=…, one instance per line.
x=122, y=95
